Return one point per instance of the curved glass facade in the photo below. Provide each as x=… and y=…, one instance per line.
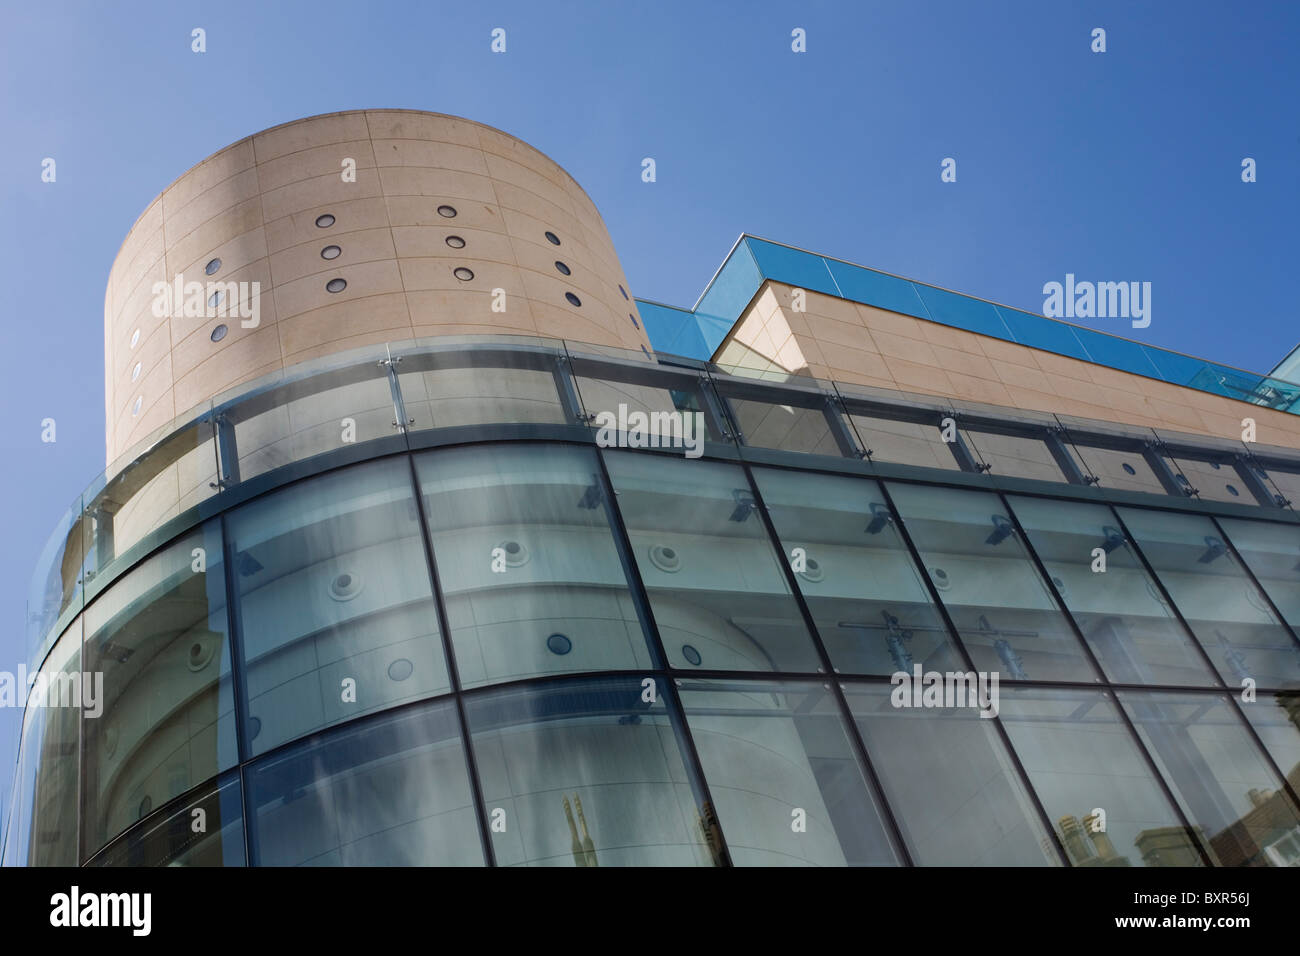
x=490, y=639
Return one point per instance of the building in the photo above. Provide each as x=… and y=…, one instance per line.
x=408, y=552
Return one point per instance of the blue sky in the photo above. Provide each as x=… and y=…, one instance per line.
x=1122, y=166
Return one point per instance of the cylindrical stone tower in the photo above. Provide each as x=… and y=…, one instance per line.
x=436, y=225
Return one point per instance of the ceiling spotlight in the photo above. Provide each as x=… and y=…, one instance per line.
x=880, y=517
x=1214, y=549
x=1002, y=529
x=1114, y=538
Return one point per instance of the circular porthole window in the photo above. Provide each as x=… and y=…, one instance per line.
x=559, y=644
x=345, y=586
x=1129, y=469
x=219, y=333
x=325, y=221
x=212, y=266
x=447, y=212
x=624, y=291
x=940, y=578
x=336, y=285
x=1232, y=491
x=665, y=559
x=635, y=323
x=135, y=406
x=254, y=727
x=400, y=669
x=331, y=252
x=572, y=299
x=463, y=274
x=145, y=806
x=812, y=571
x=552, y=238
x=201, y=654
x=513, y=553
x=562, y=269
x=215, y=299
x=456, y=242
x=692, y=655
x=135, y=372
x=135, y=337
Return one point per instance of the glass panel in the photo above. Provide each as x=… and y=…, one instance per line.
x=731, y=290
x=478, y=395
x=56, y=583
x=334, y=588
x=312, y=415
x=1040, y=332
x=175, y=472
x=587, y=773
x=1272, y=552
x=1080, y=758
x=791, y=266
x=1125, y=470
x=1002, y=609
x=1135, y=636
x=1016, y=455
x=1117, y=353
x=20, y=820
x=389, y=791
x=903, y=443
x=1286, y=483
x=785, y=427
x=867, y=597
x=654, y=409
x=1220, y=778
x=532, y=579
x=782, y=772
x=159, y=637
x=1223, y=608
x=876, y=288
x=953, y=787
x=59, y=699
x=718, y=593
x=205, y=830
x=1276, y=718
x=1213, y=480
x=963, y=312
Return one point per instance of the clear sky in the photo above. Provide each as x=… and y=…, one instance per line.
x=1115, y=166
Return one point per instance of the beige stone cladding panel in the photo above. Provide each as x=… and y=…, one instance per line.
x=889, y=350
x=254, y=206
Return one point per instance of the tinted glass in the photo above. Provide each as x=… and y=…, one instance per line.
x=526, y=558
x=1003, y=611
x=335, y=601
x=788, y=789
x=713, y=578
x=205, y=830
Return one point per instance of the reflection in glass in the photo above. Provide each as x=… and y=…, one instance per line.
x=785, y=427
x=867, y=597
x=1220, y=778
x=1002, y=609
x=708, y=565
x=334, y=587
x=445, y=397
x=159, y=636
x=205, y=830
x=588, y=773
x=777, y=755
x=951, y=783
x=56, y=726
x=389, y=791
x=1135, y=636
x=1016, y=455
x=1272, y=552
x=1223, y=608
x=525, y=554
x=1080, y=759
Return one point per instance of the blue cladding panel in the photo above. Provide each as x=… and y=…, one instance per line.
x=876, y=288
